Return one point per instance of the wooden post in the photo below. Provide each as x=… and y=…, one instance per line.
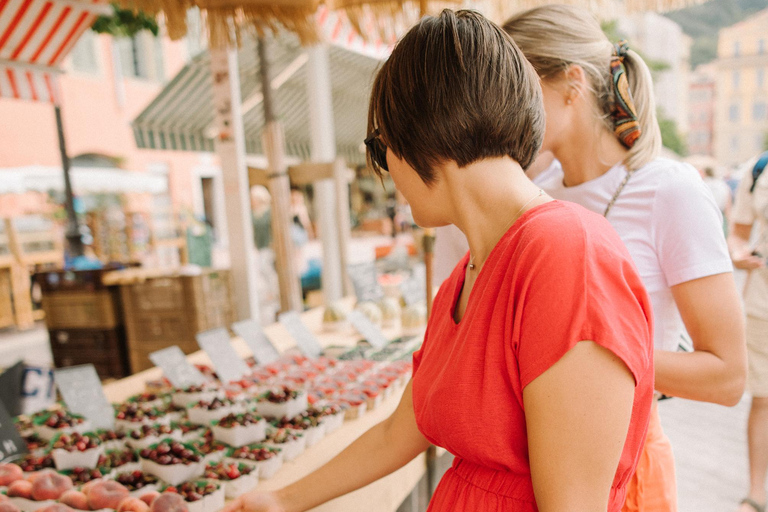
x=341, y=173
x=280, y=189
x=21, y=281
x=323, y=144
x=230, y=146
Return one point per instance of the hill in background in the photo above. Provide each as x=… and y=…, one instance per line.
x=702, y=22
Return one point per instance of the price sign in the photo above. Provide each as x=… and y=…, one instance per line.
x=81, y=389
x=229, y=366
x=257, y=341
x=176, y=367
x=367, y=329
x=305, y=340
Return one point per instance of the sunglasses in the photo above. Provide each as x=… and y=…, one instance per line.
x=377, y=150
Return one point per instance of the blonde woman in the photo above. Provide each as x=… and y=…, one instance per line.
x=601, y=126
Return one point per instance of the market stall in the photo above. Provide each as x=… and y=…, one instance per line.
x=352, y=386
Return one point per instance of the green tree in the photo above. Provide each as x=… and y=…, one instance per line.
x=670, y=136
x=125, y=23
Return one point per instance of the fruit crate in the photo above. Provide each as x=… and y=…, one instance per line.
x=78, y=299
x=106, y=349
x=161, y=310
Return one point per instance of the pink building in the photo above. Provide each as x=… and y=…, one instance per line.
x=701, y=117
x=107, y=82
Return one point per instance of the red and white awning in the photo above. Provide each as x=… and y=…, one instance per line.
x=35, y=37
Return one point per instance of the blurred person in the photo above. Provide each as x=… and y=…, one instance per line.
x=750, y=214
x=302, y=230
x=267, y=280
x=520, y=348
x=261, y=215
x=602, y=129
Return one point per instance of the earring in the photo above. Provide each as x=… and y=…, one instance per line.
x=568, y=101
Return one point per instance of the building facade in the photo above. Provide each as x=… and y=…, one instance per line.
x=106, y=82
x=701, y=114
x=741, y=119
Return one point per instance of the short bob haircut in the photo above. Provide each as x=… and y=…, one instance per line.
x=456, y=87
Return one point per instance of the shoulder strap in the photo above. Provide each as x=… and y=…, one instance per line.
x=758, y=169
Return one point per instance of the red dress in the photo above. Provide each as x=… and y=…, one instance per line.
x=560, y=275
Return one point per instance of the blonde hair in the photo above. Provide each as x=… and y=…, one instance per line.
x=555, y=37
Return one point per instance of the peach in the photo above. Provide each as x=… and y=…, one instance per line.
x=7, y=506
x=9, y=473
x=149, y=497
x=131, y=504
x=31, y=477
x=85, y=489
x=169, y=502
x=3, y=498
x=56, y=507
x=106, y=494
x=50, y=485
x=75, y=499
x=20, y=489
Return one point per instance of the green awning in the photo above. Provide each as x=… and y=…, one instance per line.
x=181, y=117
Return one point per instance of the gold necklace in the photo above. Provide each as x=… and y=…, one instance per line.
x=540, y=193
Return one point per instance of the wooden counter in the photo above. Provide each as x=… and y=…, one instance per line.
x=384, y=495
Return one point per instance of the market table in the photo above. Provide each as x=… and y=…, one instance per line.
x=384, y=495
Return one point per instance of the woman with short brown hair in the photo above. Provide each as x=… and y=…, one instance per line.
x=536, y=368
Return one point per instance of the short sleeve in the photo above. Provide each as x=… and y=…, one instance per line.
x=582, y=286
x=688, y=229
x=742, y=211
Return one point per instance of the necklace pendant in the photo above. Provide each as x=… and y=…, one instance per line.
x=471, y=266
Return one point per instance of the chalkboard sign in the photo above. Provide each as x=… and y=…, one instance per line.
x=229, y=366
x=12, y=446
x=304, y=339
x=257, y=341
x=367, y=329
x=80, y=387
x=176, y=368
x=11, y=388
x=365, y=281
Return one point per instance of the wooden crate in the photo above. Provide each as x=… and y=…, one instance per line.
x=104, y=348
x=165, y=310
x=96, y=309
x=138, y=353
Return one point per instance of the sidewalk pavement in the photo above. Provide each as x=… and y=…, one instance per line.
x=709, y=442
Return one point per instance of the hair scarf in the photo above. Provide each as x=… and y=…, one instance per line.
x=624, y=114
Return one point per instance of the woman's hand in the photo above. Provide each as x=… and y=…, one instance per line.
x=383, y=449
x=256, y=502
x=747, y=261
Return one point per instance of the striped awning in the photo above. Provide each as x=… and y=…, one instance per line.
x=182, y=116
x=35, y=37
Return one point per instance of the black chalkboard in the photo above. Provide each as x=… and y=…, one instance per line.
x=11, y=388
x=12, y=446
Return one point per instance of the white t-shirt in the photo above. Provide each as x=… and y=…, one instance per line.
x=668, y=219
